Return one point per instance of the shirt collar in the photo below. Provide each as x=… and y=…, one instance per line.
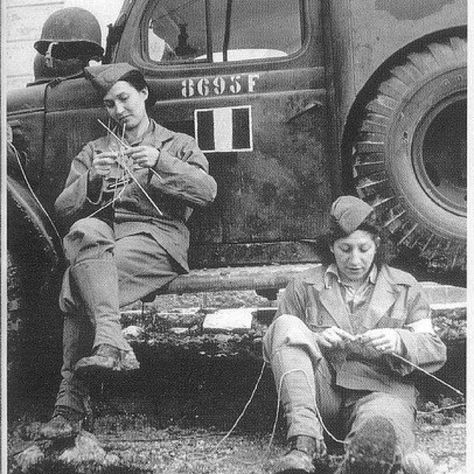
x=155, y=134
x=332, y=273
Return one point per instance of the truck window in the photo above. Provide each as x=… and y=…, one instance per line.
x=236, y=29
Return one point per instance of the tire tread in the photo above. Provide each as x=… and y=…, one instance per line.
x=368, y=156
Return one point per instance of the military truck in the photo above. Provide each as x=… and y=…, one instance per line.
x=294, y=102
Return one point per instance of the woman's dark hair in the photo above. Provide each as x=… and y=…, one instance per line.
x=369, y=225
x=136, y=80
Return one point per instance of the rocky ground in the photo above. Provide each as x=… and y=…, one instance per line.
x=201, y=449
x=182, y=423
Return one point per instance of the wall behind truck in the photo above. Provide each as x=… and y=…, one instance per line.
x=24, y=20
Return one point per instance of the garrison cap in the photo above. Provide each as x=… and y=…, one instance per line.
x=105, y=76
x=350, y=212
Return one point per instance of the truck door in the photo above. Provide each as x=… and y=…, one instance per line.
x=246, y=79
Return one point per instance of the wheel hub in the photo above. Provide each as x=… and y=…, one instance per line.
x=439, y=154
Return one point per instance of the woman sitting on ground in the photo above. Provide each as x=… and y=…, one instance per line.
x=338, y=347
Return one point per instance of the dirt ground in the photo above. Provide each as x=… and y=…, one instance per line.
x=180, y=422
x=203, y=450
x=195, y=451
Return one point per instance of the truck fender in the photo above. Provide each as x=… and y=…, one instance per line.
x=33, y=242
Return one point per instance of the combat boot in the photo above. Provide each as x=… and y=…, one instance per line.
x=65, y=423
x=299, y=459
x=106, y=358
x=97, y=283
x=373, y=449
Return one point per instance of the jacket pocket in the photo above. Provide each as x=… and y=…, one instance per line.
x=318, y=319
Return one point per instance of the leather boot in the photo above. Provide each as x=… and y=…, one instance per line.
x=299, y=458
x=65, y=423
x=106, y=358
x=96, y=281
x=373, y=449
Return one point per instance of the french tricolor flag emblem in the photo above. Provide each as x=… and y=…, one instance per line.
x=224, y=129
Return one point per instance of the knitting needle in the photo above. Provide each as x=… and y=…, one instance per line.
x=130, y=172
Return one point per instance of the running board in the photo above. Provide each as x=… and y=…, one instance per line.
x=265, y=280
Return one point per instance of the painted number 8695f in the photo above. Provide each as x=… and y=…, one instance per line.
x=219, y=85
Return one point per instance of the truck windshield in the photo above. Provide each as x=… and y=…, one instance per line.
x=238, y=29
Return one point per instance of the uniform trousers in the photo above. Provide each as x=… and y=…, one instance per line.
x=309, y=390
x=123, y=270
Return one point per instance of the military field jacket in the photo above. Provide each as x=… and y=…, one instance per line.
x=178, y=182
x=397, y=301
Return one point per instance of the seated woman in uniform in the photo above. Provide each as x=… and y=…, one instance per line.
x=338, y=348
x=128, y=197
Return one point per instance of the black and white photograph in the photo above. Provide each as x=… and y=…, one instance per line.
x=234, y=237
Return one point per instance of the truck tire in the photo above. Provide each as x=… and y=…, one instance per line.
x=409, y=156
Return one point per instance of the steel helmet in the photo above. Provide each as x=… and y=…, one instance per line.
x=70, y=33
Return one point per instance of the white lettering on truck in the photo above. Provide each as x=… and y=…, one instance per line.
x=220, y=84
